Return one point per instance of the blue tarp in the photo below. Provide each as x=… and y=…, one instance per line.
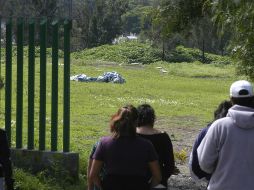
x=113, y=77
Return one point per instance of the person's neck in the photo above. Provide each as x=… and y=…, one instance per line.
x=147, y=130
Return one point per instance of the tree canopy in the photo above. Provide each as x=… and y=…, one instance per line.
x=238, y=16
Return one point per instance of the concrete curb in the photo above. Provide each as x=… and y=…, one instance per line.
x=55, y=163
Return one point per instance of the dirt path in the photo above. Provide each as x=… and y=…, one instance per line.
x=182, y=131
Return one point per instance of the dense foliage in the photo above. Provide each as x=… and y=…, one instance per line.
x=182, y=54
x=98, y=22
x=37, y=52
x=144, y=53
x=238, y=16
x=125, y=52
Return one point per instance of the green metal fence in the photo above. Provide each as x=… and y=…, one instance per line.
x=31, y=25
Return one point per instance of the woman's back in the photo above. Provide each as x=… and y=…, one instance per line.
x=160, y=140
x=126, y=162
x=125, y=155
x=164, y=149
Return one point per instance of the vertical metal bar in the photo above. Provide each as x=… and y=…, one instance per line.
x=31, y=74
x=1, y=57
x=54, y=102
x=8, y=79
x=66, y=110
x=43, y=62
x=0, y=51
x=19, y=101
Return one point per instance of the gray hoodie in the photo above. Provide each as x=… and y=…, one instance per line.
x=227, y=151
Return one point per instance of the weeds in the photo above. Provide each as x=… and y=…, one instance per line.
x=181, y=156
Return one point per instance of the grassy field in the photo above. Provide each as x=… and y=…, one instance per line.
x=186, y=95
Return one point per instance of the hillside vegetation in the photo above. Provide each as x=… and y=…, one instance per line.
x=144, y=53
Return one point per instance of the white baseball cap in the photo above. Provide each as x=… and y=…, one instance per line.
x=241, y=89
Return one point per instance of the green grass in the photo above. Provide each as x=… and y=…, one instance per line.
x=187, y=90
x=25, y=180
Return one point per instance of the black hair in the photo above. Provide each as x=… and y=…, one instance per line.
x=146, y=115
x=247, y=102
x=222, y=109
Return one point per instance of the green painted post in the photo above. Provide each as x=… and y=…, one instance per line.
x=0, y=50
x=43, y=62
x=8, y=79
x=54, y=104
x=19, y=102
x=31, y=74
x=66, y=107
x=0, y=56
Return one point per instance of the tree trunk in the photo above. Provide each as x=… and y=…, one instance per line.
x=163, y=50
x=203, y=51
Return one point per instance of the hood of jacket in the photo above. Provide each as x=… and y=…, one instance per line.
x=242, y=116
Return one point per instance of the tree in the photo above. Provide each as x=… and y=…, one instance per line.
x=31, y=8
x=106, y=23
x=95, y=22
x=81, y=14
x=187, y=22
x=171, y=17
x=138, y=20
x=238, y=16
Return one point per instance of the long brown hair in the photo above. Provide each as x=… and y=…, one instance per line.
x=124, y=122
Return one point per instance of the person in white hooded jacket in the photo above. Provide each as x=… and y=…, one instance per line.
x=227, y=150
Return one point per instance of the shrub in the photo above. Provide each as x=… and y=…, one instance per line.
x=133, y=52
x=43, y=181
x=26, y=181
x=37, y=52
x=182, y=54
x=125, y=52
x=181, y=156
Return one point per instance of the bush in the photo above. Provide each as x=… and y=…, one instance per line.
x=125, y=52
x=37, y=52
x=133, y=52
x=181, y=156
x=43, y=181
x=182, y=54
x=26, y=181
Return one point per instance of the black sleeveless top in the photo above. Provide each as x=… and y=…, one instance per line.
x=164, y=148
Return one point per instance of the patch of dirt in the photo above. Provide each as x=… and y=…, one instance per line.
x=182, y=131
x=126, y=66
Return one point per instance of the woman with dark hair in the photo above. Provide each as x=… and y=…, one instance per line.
x=126, y=156
x=160, y=140
x=195, y=170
